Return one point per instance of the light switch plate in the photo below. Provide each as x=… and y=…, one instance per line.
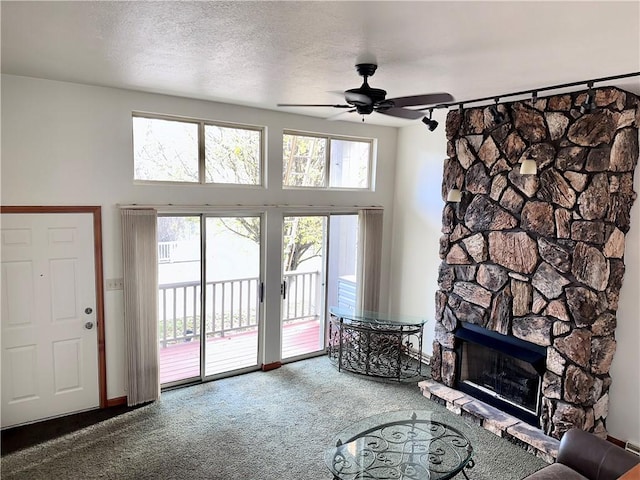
x=115, y=283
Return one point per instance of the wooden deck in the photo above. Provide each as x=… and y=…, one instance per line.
x=235, y=351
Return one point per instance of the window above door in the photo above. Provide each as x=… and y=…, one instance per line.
x=327, y=162
x=179, y=150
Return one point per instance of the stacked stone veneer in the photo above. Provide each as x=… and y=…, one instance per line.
x=540, y=257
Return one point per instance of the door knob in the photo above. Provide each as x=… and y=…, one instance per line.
x=88, y=325
x=88, y=310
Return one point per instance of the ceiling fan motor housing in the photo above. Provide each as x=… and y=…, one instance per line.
x=365, y=97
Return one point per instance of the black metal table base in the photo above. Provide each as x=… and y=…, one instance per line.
x=418, y=447
x=469, y=465
x=375, y=349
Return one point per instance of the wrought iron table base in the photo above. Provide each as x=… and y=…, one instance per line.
x=468, y=466
x=379, y=349
x=416, y=448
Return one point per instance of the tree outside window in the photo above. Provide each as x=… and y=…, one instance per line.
x=168, y=150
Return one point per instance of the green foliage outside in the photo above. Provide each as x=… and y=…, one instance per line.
x=303, y=161
x=232, y=155
x=165, y=150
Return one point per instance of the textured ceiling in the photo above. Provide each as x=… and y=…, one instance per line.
x=263, y=53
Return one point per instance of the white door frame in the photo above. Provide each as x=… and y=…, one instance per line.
x=96, y=211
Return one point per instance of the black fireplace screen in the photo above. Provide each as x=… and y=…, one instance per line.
x=501, y=370
x=494, y=372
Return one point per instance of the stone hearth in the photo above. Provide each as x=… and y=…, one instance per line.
x=541, y=257
x=492, y=419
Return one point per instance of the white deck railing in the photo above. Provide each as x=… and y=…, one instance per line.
x=232, y=305
x=165, y=251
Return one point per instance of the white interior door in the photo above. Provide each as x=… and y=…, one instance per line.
x=49, y=334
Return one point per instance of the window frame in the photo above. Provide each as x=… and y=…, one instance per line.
x=201, y=124
x=327, y=161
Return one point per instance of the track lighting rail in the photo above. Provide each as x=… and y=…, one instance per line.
x=533, y=91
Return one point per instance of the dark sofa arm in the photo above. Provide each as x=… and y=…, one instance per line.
x=593, y=457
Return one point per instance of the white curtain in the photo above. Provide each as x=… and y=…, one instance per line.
x=370, y=243
x=140, y=261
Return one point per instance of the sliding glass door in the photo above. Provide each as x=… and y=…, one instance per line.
x=211, y=291
x=232, y=293
x=303, y=280
x=211, y=330
x=179, y=297
x=319, y=271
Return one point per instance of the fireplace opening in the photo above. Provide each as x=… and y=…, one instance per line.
x=505, y=372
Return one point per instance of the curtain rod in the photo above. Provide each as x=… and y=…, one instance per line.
x=534, y=90
x=170, y=206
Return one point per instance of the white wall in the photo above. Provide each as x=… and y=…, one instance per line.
x=623, y=421
x=417, y=223
x=71, y=144
x=414, y=273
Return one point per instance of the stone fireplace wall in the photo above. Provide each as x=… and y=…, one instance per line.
x=541, y=257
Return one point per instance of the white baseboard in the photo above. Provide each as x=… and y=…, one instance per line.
x=633, y=448
x=421, y=357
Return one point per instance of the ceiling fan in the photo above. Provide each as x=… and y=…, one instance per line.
x=366, y=99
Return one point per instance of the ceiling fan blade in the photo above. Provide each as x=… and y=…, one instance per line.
x=339, y=115
x=401, y=113
x=426, y=99
x=313, y=105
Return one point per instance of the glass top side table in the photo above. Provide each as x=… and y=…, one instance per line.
x=417, y=445
x=376, y=344
x=376, y=318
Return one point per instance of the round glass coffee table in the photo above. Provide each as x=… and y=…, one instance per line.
x=416, y=445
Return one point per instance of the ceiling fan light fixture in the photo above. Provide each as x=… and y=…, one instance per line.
x=364, y=109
